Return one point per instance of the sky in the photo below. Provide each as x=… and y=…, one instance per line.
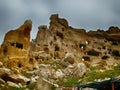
x=87, y=14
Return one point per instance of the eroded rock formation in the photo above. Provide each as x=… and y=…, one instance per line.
x=58, y=52
x=15, y=47
x=59, y=41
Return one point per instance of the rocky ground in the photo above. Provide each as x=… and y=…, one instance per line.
x=59, y=55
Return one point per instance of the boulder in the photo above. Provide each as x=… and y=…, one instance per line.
x=9, y=75
x=79, y=70
x=69, y=59
x=19, y=79
x=12, y=84
x=45, y=71
x=43, y=84
x=5, y=71
x=59, y=74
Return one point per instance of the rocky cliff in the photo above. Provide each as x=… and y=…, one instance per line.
x=70, y=51
x=60, y=54
x=60, y=40
x=15, y=47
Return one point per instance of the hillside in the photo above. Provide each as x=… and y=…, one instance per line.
x=59, y=54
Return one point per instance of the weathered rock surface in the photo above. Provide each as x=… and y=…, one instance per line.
x=15, y=47
x=60, y=39
x=57, y=53
x=112, y=34
x=69, y=51
x=43, y=84
x=9, y=83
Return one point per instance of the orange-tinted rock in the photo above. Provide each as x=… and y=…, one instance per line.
x=20, y=35
x=43, y=36
x=55, y=22
x=14, y=49
x=57, y=40
x=61, y=39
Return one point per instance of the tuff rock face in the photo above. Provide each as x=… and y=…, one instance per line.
x=15, y=47
x=60, y=40
x=67, y=47
x=58, y=52
x=57, y=40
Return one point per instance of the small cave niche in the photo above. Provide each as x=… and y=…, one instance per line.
x=55, y=38
x=103, y=47
x=57, y=48
x=66, y=52
x=63, y=29
x=86, y=58
x=116, y=53
x=72, y=45
x=12, y=44
x=17, y=45
x=51, y=43
x=114, y=43
x=5, y=50
x=59, y=34
x=6, y=78
x=109, y=51
x=31, y=60
x=99, y=48
x=82, y=46
x=36, y=57
x=19, y=65
x=46, y=50
x=93, y=53
x=105, y=57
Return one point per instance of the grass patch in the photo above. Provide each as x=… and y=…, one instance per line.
x=29, y=87
x=10, y=88
x=69, y=81
x=96, y=68
x=92, y=74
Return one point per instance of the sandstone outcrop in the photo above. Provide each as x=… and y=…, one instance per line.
x=15, y=47
x=60, y=39
x=112, y=34
x=64, y=47
x=57, y=40
x=58, y=52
